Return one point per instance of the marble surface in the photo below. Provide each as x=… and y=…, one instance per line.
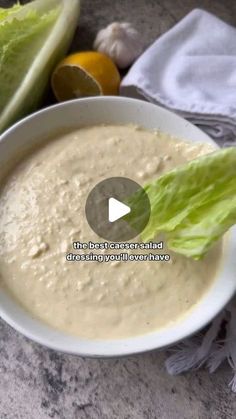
x=37, y=383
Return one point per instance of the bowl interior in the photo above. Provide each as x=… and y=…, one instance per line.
x=33, y=130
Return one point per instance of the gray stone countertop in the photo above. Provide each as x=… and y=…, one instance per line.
x=37, y=383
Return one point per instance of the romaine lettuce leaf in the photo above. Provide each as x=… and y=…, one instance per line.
x=33, y=38
x=4, y=13
x=194, y=204
x=20, y=41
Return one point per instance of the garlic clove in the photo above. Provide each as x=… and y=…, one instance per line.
x=121, y=42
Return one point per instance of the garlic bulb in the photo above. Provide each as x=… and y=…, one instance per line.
x=121, y=42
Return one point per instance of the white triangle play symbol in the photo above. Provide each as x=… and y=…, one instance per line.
x=116, y=210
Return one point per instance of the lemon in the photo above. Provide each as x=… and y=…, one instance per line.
x=82, y=74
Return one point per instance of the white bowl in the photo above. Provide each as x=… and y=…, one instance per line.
x=113, y=110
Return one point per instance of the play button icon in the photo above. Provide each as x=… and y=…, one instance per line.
x=107, y=207
x=116, y=210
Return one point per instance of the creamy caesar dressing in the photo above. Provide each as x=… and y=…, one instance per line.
x=42, y=214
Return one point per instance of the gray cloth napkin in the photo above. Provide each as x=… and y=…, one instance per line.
x=191, y=70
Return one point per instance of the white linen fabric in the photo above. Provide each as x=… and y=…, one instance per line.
x=191, y=70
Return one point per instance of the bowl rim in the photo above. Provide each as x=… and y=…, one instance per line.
x=159, y=339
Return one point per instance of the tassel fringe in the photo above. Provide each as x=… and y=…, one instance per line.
x=208, y=349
